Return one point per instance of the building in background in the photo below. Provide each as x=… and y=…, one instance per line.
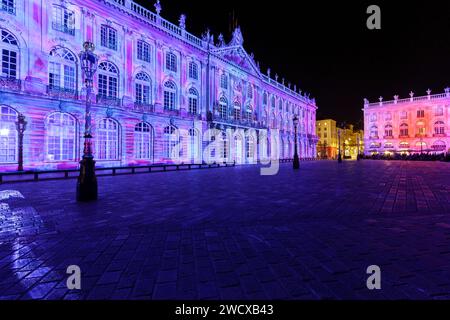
x=405, y=126
x=158, y=88
x=328, y=132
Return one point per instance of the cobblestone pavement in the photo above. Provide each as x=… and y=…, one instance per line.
x=233, y=234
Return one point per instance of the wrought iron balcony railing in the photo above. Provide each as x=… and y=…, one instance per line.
x=241, y=122
x=143, y=107
x=172, y=112
x=108, y=101
x=62, y=93
x=63, y=28
x=10, y=84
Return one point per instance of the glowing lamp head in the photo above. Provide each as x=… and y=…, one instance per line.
x=88, y=59
x=4, y=132
x=21, y=124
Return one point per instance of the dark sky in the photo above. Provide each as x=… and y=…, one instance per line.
x=326, y=48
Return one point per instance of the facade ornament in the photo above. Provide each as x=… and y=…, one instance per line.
x=158, y=7
x=221, y=43
x=396, y=98
x=411, y=94
x=268, y=72
x=144, y=117
x=295, y=87
x=182, y=22
x=447, y=91
x=109, y=112
x=380, y=99
x=282, y=81
x=237, y=39
x=276, y=77
x=429, y=92
x=289, y=85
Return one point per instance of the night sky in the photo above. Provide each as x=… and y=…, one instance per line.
x=325, y=47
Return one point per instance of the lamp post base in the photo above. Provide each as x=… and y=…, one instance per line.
x=87, y=189
x=296, y=162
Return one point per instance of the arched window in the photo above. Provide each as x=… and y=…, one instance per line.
x=388, y=131
x=171, y=143
x=143, y=88
x=223, y=81
x=143, y=141
x=280, y=105
x=404, y=130
x=249, y=114
x=108, y=133
x=194, y=145
x=265, y=99
x=8, y=135
x=170, y=95
x=421, y=146
x=108, y=80
x=193, y=101
x=237, y=111
x=61, y=131
x=273, y=102
x=439, y=127
x=9, y=57
x=404, y=145
x=249, y=147
x=62, y=70
x=374, y=132
x=223, y=108
x=8, y=6
x=439, y=146
x=171, y=62
x=193, y=70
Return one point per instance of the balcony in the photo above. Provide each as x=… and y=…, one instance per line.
x=172, y=112
x=243, y=122
x=63, y=28
x=10, y=84
x=143, y=107
x=439, y=135
x=108, y=101
x=388, y=137
x=8, y=8
x=62, y=93
x=194, y=116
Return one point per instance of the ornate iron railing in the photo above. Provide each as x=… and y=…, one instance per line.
x=62, y=93
x=9, y=83
x=63, y=28
x=143, y=107
x=108, y=101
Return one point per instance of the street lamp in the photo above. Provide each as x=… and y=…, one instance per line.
x=357, y=143
x=21, y=126
x=339, y=144
x=87, y=189
x=296, y=163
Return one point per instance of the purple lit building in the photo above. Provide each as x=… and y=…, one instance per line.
x=158, y=88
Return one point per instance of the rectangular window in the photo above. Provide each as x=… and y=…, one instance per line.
x=8, y=6
x=143, y=52
x=54, y=75
x=9, y=63
x=69, y=77
x=169, y=100
x=102, y=85
x=108, y=37
x=193, y=72
x=63, y=20
x=142, y=94
x=171, y=62
x=193, y=105
x=420, y=114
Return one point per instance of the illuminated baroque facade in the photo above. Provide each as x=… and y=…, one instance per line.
x=158, y=88
x=412, y=125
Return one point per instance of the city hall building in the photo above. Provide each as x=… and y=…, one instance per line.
x=157, y=88
x=405, y=126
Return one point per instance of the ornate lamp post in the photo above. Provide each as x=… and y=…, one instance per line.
x=339, y=145
x=21, y=126
x=296, y=163
x=87, y=181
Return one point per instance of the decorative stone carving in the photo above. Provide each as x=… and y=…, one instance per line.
x=182, y=21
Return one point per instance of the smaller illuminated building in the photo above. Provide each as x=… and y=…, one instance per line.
x=406, y=126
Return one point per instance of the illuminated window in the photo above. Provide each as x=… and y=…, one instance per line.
x=237, y=111
x=249, y=114
x=404, y=130
x=420, y=114
x=108, y=37
x=404, y=145
x=273, y=102
x=143, y=88
x=171, y=62
x=374, y=132
x=265, y=99
x=388, y=131
x=224, y=149
x=62, y=69
x=9, y=55
x=193, y=101
x=439, y=112
x=439, y=127
x=144, y=51
x=421, y=128
x=171, y=143
x=194, y=145
x=249, y=147
x=107, y=144
x=63, y=20
x=61, y=137
x=8, y=6
x=223, y=81
x=108, y=80
x=8, y=135
x=280, y=105
x=249, y=91
x=169, y=95
x=439, y=146
x=223, y=108
x=143, y=141
x=193, y=71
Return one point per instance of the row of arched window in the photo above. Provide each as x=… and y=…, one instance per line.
x=438, y=111
x=437, y=146
x=439, y=129
x=62, y=139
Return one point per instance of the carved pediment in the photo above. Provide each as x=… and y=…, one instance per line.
x=239, y=57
